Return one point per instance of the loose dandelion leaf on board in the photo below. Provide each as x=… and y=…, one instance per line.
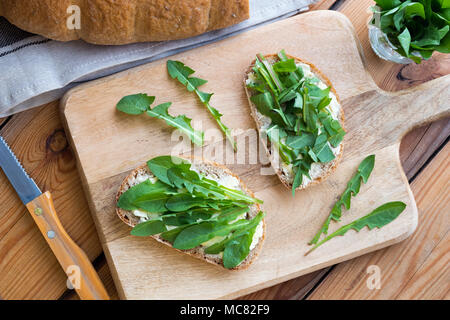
x=137, y=104
x=177, y=70
x=353, y=186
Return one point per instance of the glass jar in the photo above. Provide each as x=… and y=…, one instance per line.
x=383, y=47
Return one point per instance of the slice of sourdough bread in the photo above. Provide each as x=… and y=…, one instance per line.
x=319, y=171
x=210, y=170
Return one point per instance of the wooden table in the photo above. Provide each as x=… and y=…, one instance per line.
x=416, y=268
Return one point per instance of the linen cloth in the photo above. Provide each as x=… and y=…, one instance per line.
x=35, y=70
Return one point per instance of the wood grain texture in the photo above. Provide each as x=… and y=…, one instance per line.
x=376, y=121
x=432, y=280
x=122, y=22
x=292, y=289
x=3, y=120
x=419, y=145
x=297, y=288
x=417, y=268
x=28, y=268
x=323, y=4
x=105, y=276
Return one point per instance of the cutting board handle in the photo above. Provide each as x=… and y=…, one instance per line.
x=72, y=258
x=407, y=109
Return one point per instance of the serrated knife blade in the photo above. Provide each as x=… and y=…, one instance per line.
x=25, y=187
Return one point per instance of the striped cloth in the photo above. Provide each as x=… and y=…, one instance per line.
x=35, y=70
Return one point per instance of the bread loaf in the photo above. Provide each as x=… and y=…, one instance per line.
x=115, y=22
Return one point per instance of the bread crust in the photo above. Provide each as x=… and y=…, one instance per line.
x=331, y=166
x=124, y=21
x=128, y=218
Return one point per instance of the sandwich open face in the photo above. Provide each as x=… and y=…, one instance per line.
x=195, y=206
x=298, y=116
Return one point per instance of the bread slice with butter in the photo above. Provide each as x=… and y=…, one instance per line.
x=319, y=171
x=210, y=170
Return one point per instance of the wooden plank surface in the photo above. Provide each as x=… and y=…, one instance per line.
x=432, y=280
x=105, y=275
x=39, y=142
x=324, y=4
x=419, y=144
x=417, y=268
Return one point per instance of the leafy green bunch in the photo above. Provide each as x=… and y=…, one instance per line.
x=302, y=127
x=416, y=26
x=181, y=72
x=187, y=210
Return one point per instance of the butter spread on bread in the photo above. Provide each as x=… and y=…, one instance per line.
x=217, y=219
x=299, y=118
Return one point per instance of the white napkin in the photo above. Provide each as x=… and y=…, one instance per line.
x=35, y=70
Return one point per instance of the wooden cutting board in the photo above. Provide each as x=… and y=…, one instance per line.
x=109, y=144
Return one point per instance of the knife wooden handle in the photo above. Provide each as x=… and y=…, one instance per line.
x=72, y=258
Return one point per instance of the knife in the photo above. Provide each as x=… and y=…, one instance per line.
x=81, y=274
